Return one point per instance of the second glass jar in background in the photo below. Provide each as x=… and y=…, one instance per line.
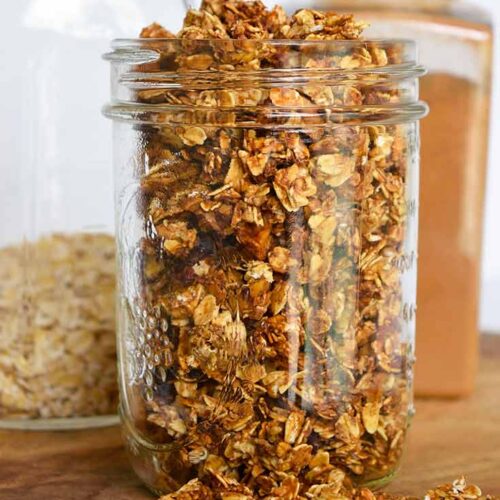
x=267, y=233
x=57, y=274
x=57, y=250
x=455, y=41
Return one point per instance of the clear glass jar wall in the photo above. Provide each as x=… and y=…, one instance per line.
x=266, y=234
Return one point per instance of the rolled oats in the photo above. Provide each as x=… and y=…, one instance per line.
x=57, y=328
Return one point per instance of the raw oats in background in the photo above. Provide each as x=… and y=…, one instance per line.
x=57, y=328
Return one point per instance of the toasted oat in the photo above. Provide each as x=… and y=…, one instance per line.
x=457, y=490
x=155, y=30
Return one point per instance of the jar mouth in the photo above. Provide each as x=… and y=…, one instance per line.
x=168, y=70
x=147, y=50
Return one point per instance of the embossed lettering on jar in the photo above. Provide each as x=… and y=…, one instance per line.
x=266, y=217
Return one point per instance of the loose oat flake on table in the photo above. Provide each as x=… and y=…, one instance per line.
x=57, y=328
x=266, y=335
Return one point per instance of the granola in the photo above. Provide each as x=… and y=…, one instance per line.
x=268, y=345
x=457, y=490
x=337, y=489
x=57, y=328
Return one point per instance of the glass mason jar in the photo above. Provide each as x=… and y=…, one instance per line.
x=57, y=259
x=266, y=203
x=455, y=45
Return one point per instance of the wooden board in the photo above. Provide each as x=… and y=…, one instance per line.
x=448, y=438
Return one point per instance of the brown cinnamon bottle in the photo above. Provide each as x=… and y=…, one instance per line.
x=455, y=43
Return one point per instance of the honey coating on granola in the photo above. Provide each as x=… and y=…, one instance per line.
x=269, y=320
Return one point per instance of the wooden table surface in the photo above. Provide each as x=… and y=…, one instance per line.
x=447, y=439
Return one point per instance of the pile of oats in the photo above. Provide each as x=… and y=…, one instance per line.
x=267, y=343
x=57, y=328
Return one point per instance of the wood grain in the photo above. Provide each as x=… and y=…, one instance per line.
x=447, y=439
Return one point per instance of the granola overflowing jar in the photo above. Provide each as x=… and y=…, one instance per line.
x=266, y=200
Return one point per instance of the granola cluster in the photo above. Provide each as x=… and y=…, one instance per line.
x=457, y=490
x=269, y=350
x=57, y=328
x=239, y=19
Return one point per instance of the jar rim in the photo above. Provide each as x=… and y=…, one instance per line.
x=157, y=67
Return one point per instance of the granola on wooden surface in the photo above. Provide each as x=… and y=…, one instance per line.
x=458, y=490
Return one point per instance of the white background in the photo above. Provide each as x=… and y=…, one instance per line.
x=85, y=27
x=490, y=313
